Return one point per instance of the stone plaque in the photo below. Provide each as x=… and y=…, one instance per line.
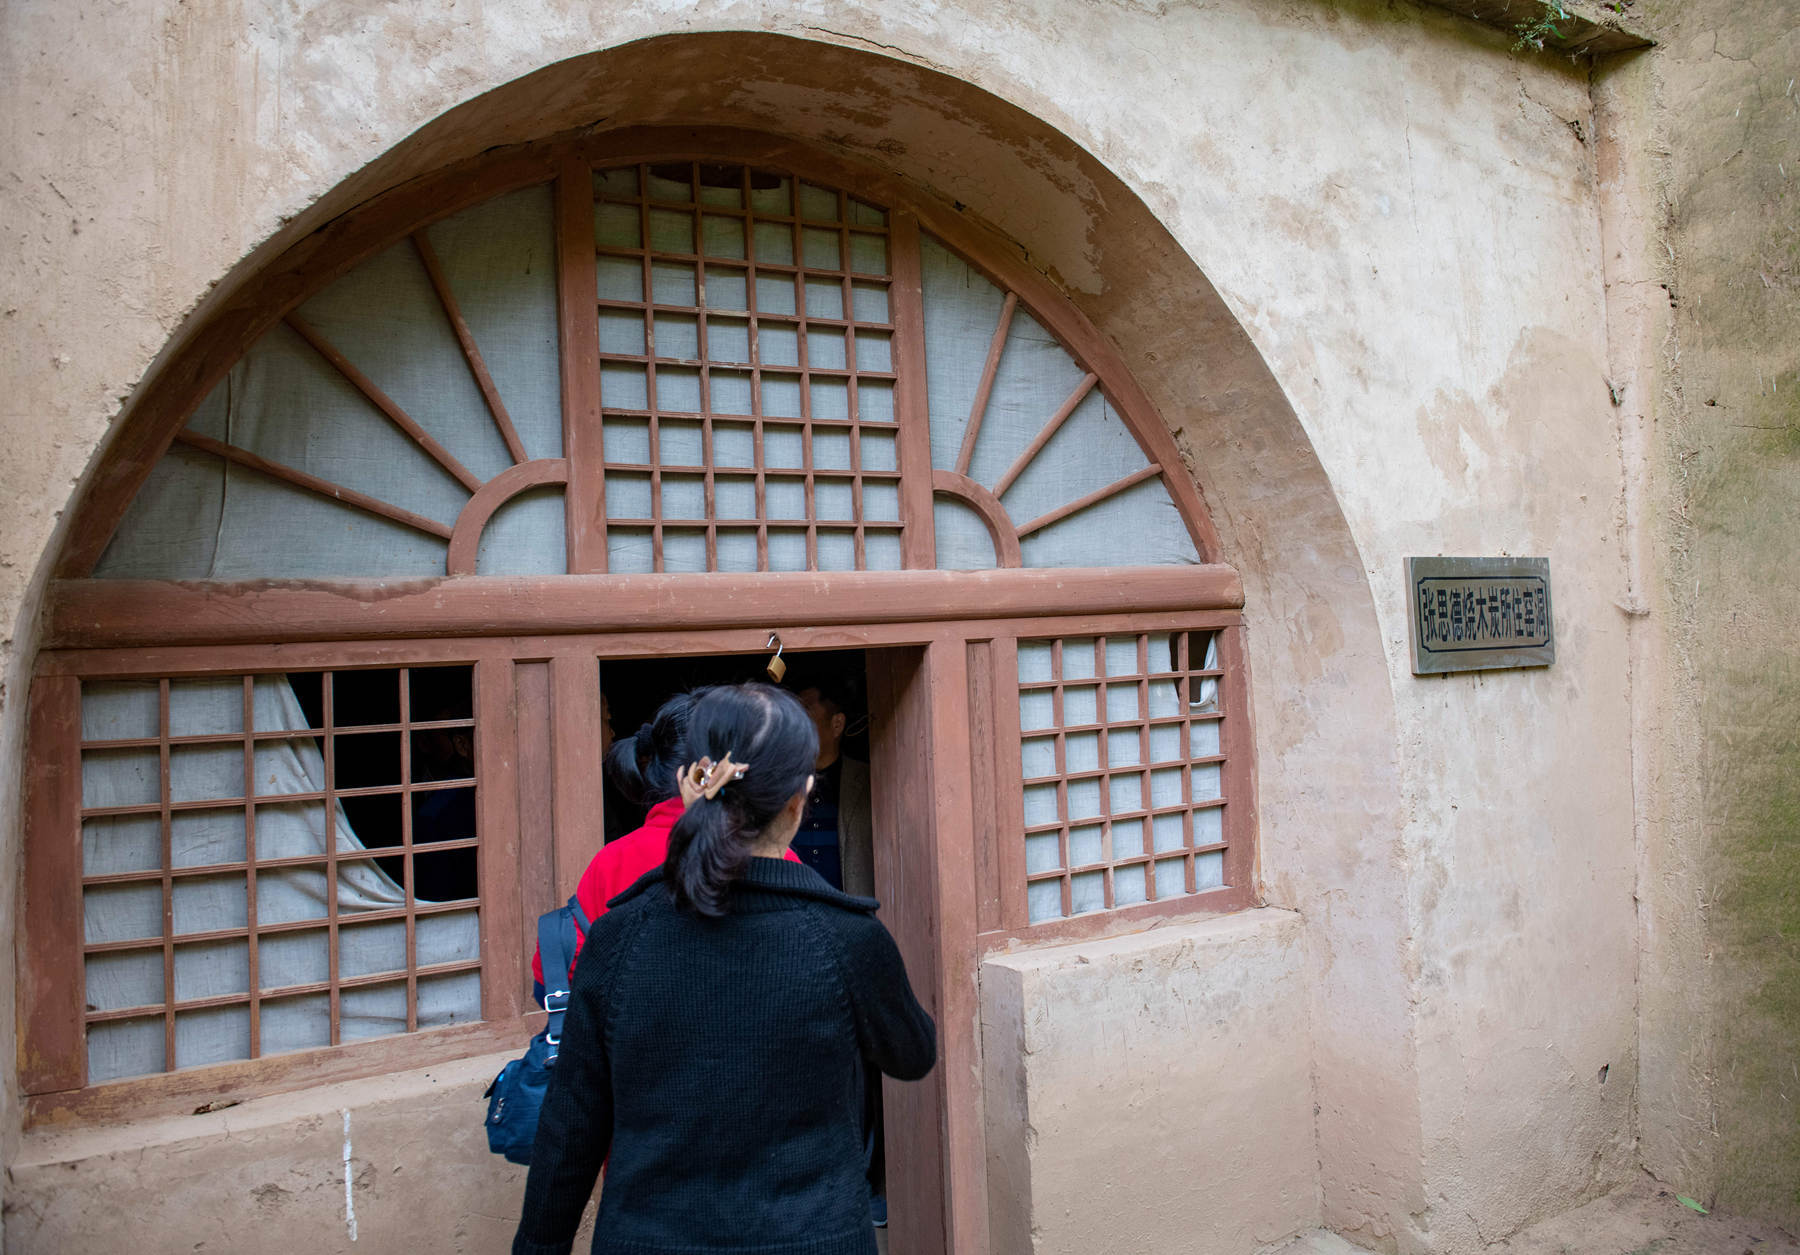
x=1473, y=614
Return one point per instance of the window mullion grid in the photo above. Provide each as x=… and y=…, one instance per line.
x=1183, y=695
x=406, y=846
x=652, y=401
x=1148, y=822
x=1103, y=714
x=327, y=702
x=756, y=397
x=1062, y=775
x=708, y=505
x=168, y=880
x=800, y=351
x=250, y=864
x=848, y=297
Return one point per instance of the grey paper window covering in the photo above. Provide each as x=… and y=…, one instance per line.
x=198, y=517
x=1140, y=526
x=134, y=910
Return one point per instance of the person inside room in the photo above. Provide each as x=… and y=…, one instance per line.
x=836, y=837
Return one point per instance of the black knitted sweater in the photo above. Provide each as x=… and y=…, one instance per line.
x=718, y=1062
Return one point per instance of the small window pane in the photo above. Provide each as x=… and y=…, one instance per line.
x=1081, y=751
x=1206, y=783
x=831, y=449
x=617, y=226
x=726, y=288
x=672, y=283
x=775, y=246
x=211, y=1035
x=627, y=440
x=727, y=340
x=784, y=447
x=818, y=204
x=677, y=390
x=825, y=350
x=869, y=302
x=778, y=344
x=1128, y=886
x=824, y=298
x=874, y=351
x=1043, y=852
x=722, y=237
x=1171, y=877
x=830, y=398
x=622, y=331
x=1043, y=900
x=868, y=253
x=878, y=451
x=774, y=294
x=671, y=231
x=733, y=444
x=296, y=1023
x=678, y=337
x=619, y=279
x=819, y=249
x=1087, y=892
x=623, y=386
x=1087, y=844
x=130, y=978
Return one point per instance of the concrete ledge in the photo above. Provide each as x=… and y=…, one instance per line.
x=1151, y=1092
x=270, y=1175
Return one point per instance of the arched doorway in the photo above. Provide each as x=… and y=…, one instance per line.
x=775, y=393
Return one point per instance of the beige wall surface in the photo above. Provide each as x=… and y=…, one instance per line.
x=1101, y=1059
x=1721, y=978
x=1354, y=252
x=398, y=1163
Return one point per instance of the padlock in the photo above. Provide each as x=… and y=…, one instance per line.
x=776, y=668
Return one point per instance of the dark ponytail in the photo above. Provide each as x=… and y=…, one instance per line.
x=767, y=730
x=643, y=766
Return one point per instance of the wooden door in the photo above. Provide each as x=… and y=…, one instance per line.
x=925, y=877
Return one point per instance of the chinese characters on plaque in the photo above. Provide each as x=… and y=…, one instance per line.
x=1472, y=614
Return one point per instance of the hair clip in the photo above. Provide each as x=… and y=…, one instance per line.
x=705, y=778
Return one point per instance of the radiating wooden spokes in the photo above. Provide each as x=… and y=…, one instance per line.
x=485, y=497
x=985, y=500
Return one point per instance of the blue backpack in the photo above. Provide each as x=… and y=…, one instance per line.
x=517, y=1095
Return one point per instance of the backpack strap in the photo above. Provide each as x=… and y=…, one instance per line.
x=559, y=934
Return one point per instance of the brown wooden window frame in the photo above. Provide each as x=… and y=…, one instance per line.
x=534, y=641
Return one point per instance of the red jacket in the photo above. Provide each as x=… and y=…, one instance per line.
x=620, y=865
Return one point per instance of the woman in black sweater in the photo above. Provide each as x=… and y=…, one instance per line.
x=721, y=1015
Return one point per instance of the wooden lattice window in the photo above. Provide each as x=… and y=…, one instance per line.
x=273, y=862
x=746, y=373
x=1124, y=744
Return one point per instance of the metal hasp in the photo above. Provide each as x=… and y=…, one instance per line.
x=1478, y=614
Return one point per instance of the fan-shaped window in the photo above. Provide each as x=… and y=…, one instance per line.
x=757, y=375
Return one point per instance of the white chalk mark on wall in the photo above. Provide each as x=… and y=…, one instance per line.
x=349, y=1198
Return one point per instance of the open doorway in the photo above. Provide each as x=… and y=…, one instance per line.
x=837, y=833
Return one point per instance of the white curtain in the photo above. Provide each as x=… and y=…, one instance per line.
x=133, y=911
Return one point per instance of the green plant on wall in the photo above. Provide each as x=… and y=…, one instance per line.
x=1542, y=28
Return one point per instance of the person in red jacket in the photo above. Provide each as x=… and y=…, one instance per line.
x=644, y=768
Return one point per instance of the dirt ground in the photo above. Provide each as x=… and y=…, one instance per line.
x=1642, y=1219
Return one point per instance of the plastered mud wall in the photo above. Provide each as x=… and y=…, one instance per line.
x=395, y=1164
x=1352, y=251
x=1190, y=1026
x=1720, y=120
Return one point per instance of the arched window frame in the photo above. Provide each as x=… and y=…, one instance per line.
x=97, y=628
